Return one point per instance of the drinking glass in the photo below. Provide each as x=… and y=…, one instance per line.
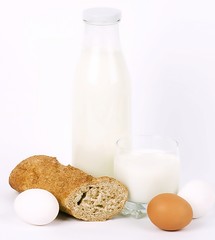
x=148, y=165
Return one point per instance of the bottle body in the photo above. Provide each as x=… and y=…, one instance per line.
x=101, y=105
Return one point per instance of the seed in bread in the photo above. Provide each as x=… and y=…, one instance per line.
x=79, y=194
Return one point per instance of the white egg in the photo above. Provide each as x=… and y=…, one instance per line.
x=200, y=195
x=36, y=206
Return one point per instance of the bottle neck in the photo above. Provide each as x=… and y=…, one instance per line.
x=103, y=37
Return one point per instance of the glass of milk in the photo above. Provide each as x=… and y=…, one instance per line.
x=148, y=165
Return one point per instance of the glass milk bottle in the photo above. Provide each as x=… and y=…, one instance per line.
x=101, y=103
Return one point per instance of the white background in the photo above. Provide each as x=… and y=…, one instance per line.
x=169, y=46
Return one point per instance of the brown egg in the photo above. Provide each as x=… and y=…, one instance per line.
x=169, y=212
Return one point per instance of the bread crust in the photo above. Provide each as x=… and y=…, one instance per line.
x=78, y=193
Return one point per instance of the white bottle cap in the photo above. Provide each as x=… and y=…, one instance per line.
x=101, y=16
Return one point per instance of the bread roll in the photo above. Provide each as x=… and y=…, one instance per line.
x=79, y=194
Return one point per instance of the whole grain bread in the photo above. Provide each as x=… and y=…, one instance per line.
x=79, y=194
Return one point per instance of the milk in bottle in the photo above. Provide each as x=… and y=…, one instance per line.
x=101, y=103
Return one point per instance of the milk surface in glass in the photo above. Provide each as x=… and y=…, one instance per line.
x=147, y=173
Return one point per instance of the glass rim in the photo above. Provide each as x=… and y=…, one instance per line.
x=156, y=136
